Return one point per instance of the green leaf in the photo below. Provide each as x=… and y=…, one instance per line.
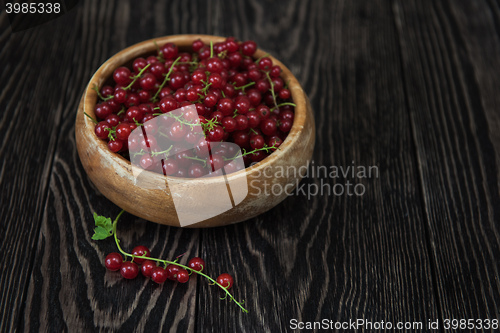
x=100, y=233
x=104, y=227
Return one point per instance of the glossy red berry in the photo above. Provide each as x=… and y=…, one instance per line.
x=140, y=250
x=147, y=267
x=122, y=75
x=248, y=48
x=113, y=261
x=129, y=270
x=225, y=280
x=159, y=275
x=123, y=131
x=196, y=264
x=182, y=276
x=115, y=145
x=169, y=51
x=172, y=271
x=102, y=130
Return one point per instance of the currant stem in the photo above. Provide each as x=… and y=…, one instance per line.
x=245, y=86
x=101, y=96
x=266, y=148
x=93, y=120
x=136, y=77
x=272, y=89
x=283, y=104
x=197, y=159
x=167, y=78
x=165, y=262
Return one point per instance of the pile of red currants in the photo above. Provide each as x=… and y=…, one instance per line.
x=238, y=99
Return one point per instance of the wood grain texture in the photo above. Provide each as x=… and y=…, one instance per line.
x=69, y=289
x=450, y=55
x=334, y=257
x=31, y=104
x=406, y=86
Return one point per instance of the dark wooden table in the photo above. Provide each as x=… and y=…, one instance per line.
x=411, y=87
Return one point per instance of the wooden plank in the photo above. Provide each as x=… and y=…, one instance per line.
x=31, y=104
x=70, y=290
x=330, y=257
x=450, y=60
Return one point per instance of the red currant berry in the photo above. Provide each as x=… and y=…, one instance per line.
x=123, y=131
x=178, y=131
x=215, y=134
x=254, y=96
x=182, y=276
x=214, y=65
x=286, y=115
x=170, y=167
x=278, y=83
x=263, y=111
x=120, y=96
x=115, y=145
x=147, y=267
x=113, y=261
x=253, y=119
x=159, y=275
x=284, y=94
x=113, y=120
x=146, y=161
x=172, y=271
x=241, y=139
x=210, y=100
x=229, y=90
x=242, y=104
x=265, y=64
x=198, y=76
x=196, y=264
x=229, y=124
x=169, y=51
x=258, y=156
x=241, y=122
x=138, y=64
x=196, y=170
x=177, y=80
x=129, y=270
x=168, y=104
x=148, y=81
x=121, y=75
x=248, y=48
x=197, y=45
x=225, y=280
x=138, y=251
x=275, y=141
x=275, y=71
x=226, y=106
x=263, y=85
x=102, y=130
x=102, y=110
x=257, y=142
x=285, y=126
x=133, y=99
x=215, y=79
x=268, y=126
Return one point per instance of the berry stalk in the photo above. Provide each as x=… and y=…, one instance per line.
x=105, y=229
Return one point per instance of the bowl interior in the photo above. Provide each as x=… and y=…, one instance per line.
x=125, y=57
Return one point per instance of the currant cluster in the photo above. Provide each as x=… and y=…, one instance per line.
x=149, y=268
x=238, y=99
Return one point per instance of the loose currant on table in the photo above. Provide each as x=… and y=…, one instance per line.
x=235, y=96
x=158, y=270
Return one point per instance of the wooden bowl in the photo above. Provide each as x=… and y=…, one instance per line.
x=112, y=174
